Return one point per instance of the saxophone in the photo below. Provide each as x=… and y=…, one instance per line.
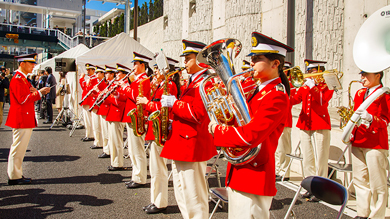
x=137, y=114
x=160, y=119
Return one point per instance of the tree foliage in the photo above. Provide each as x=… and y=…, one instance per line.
x=146, y=13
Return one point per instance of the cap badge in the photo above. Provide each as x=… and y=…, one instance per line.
x=307, y=63
x=184, y=46
x=254, y=42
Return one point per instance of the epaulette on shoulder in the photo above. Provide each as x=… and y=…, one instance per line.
x=18, y=76
x=280, y=87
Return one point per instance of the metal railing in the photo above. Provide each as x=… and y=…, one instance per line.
x=66, y=41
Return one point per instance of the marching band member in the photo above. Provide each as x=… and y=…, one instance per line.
x=251, y=186
x=21, y=117
x=158, y=165
x=189, y=145
x=284, y=144
x=103, y=111
x=96, y=120
x=314, y=121
x=370, y=150
x=116, y=126
x=136, y=146
x=85, y=84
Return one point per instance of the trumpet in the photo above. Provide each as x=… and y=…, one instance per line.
x=160, y=119
x=101, y=96
x=137, y=114
x=297, y=77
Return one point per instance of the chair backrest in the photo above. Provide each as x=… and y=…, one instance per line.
x=326, y=190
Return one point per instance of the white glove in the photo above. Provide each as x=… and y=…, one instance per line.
x=168, y=101
x=310, y=83
x=364, y=115
x=212, y=125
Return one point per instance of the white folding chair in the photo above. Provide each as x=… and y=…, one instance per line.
x=296, y=156
x=342, y=166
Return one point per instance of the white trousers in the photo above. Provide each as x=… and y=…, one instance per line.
x=284, y=147
x=159, y=177
x=97, y=129
x=247, y=206
x=315, y=156
x=190, y=188
x=370, y=181
x=87, y=122
x=115, y=134
x=21, y=137
x=104, y=130
x=136, y=148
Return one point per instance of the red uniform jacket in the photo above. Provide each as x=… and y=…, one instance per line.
x=117, y=106
x=269, y=111
x=375, y=136
x=155, y=104
x=21, y=112
x=103, y=109
x=314, y=114
x=189, y=139
x=87, y=85
x=132, y=92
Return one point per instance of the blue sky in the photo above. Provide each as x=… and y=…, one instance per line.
x=97, y=5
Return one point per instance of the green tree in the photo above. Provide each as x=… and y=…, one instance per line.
x=151, y=11
x=121, y=23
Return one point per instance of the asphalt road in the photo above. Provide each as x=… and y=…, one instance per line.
x=69, y=181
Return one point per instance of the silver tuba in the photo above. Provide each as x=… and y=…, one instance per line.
x=219, y=55
x=371, y=53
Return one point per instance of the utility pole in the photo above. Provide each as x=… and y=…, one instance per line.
x=127, y=17
x=135, y=18
x=84, y=12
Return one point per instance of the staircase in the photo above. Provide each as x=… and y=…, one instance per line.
x=66, y=41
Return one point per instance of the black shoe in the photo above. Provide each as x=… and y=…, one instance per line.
x=87, y=139
x=279, y=178
x=358, y=217
x=47, y=122
x=306, y=195
x=133, y=185
x=147, y=206
x=104, y=155
x=152, y=209
x=95, y=147
x=111, y=168
x=21, y=181
x=313, y=199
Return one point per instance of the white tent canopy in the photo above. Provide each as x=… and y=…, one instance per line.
x=118, y=49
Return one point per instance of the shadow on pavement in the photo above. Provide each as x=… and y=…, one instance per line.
x=42, y=205
x=280, y=203
x=52, y=158
x=103, y=178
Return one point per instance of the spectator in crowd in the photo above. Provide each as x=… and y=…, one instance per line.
x=61, y=91
x=42, y=102
x=4, y=83
x=6, y=92
x=51, y=96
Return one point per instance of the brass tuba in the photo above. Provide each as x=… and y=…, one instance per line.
x=160, y=119
x=346, y=112
x=371, y=54
x=219, y=55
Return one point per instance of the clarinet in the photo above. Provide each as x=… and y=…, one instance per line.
x=112, y=90
x=100, y=96
x=90, y=91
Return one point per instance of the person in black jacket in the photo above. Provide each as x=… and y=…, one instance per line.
x=51, y=96
x=4, y=83
x=42, y=102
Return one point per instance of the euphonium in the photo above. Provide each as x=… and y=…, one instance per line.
x=160, y=119
x=219, y=55
x=137, y=114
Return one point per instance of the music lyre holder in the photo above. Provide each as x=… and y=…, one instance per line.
x=64, y=112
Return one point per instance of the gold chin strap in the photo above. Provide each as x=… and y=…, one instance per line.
x=264, y=51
